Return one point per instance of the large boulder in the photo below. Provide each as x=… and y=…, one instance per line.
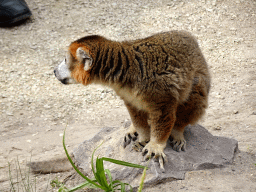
x=203, y=151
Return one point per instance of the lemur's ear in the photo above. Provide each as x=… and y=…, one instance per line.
x=84, y=57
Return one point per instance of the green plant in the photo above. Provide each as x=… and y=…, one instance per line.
x=58, y=184
x=142, y=179
x=100, y=180
x=23, y=180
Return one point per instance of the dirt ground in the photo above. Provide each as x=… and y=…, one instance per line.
x=35, y=107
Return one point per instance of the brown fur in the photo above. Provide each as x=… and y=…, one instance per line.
x=163, y=79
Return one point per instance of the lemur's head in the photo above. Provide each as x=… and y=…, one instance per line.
x=75, y=68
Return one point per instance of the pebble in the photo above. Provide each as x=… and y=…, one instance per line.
x=47, y=106
x=235, y=112
x=9, y=113
x=218, y=128
x=220, y=97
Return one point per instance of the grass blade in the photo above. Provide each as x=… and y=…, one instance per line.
x=143, y=177
x=92, y=164
x=101, y=173
x=81, y=186
x=21, y=176
x=110, y=178
x=142, y=180
x=122, y=187
x=17, y=172
x=124, y=163
x=129, y=185
x=73, y=165
x=10, y=176
x=120, y=183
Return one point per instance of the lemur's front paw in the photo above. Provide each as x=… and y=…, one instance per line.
x=177, y=141
x=155, y=151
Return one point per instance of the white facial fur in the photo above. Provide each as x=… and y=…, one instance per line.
x=63, y=70
x=63, y=73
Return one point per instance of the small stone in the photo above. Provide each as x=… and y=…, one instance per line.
x=218, y=128
x=47, y=106
x=254, y=113
x=29, y=141
x=220, y=97
x=9, y=113
x=30, y=124
x=235, y=112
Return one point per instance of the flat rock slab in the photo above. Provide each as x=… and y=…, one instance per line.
x=203, y=151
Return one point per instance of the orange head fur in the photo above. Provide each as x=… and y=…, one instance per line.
x=80, y=75
x=78, y=72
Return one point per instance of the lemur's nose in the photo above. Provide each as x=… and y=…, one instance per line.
x=64, y=81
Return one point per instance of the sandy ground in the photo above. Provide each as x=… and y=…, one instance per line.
x=35, y=107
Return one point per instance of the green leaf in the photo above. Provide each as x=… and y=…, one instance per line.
x=92, y=164
x=122, y=187
x=142, y=180
x=73, y=165
x=129, y=185
x=81, y=186
x=102, y=180
x=123, y=163
x=120, y=183
x=110, y=178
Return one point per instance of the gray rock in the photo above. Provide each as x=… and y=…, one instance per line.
x=204, y=151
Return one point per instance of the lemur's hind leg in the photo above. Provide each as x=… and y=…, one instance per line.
x=139, y=128
x=188, y=113
x=161, y=120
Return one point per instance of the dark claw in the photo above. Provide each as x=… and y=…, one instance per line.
x=126, y=142
x=145, y=152
x=141, y=144
x=162, y=158
x=152, y=155
x=130, y=137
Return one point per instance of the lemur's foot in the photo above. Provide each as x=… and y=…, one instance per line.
x=178, y=141
x=138, y=146
x=155, y=151
x=131, y=135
